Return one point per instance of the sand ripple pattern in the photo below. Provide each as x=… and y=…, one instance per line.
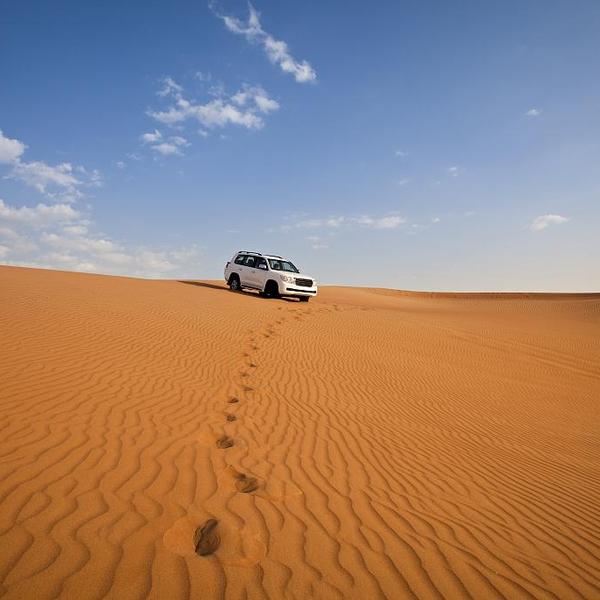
x=398, y=445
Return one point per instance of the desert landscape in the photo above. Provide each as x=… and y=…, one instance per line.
x=173, y=439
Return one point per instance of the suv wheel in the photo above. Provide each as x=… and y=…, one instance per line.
x=234, y=283
x=271, y=290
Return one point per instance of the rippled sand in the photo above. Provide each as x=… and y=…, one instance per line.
x=368, y=444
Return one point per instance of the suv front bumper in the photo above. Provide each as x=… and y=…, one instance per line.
x=293, y=290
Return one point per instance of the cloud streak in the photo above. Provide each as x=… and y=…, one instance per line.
x=366, y=221
x=277, y=51
x=544, y=221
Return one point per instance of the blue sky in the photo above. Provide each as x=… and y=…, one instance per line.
x=418, y=145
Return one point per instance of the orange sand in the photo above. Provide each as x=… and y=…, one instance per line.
x=406, y=445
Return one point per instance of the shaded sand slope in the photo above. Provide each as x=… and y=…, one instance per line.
x=403, y=445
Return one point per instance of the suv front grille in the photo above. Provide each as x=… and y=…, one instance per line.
x=304, y=282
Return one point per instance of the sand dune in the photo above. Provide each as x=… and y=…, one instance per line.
x=161, y=439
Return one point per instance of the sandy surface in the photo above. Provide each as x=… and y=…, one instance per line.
x=403, y=445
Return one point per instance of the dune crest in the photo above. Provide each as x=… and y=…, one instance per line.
x=171, y=439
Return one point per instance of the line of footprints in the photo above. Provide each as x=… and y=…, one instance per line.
x=206, y=537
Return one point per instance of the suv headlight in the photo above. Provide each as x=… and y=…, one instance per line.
x=287, y=278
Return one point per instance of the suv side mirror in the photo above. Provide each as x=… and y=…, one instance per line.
x=262, y=266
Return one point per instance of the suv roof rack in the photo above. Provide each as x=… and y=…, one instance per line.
x=259, y=254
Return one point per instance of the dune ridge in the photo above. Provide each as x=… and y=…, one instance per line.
x=399, y=444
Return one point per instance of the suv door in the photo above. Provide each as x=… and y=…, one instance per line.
x=261, y=273
x=238, y=266
x=248, y=272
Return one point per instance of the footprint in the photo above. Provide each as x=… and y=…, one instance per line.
x=206, y=538
x=252, y=365
x=245, y=484
x=231, y=418
x=247, y=388
x=244, y=374
x=224, y=442
x=233, y=400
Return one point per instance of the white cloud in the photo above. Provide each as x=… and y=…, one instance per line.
x=400, y=153
x=386, y=222
x=37, y=216
x=120, y=164
x=533, y=112
x=151, y=138
x=169, y=88
x=453, y=171
x=389, y=222
x=167, y=147
x=435, y=220
x=403, y=181
x=61, y=181
x=544, y=221
x=10, y=149
x=276, y=50
x=57, y=236
x=244, y=108
x=53, y=181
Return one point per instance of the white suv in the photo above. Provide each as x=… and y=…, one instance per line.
x=270, y=274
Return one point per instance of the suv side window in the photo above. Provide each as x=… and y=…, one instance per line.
x=261, y=263
x=250, y=261
x=240, y=259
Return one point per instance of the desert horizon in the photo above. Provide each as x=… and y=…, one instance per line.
x=174, y=439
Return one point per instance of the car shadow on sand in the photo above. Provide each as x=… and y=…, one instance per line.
x=224, y=288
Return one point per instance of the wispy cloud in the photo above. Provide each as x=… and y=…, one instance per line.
x=453, y=171
x=61, y=182
x=276, y=50
x=59, y=235
x=533, y=112
x=151, y=137
x=544, y=221
x=369, y=222
x=172, y=145
x=246, y=108
x=41, y=215
x=169, y=87
x=316, y=242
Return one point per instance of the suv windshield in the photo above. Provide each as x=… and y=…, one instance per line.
x=282, y=265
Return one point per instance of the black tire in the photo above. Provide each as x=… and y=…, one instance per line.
x=234, y=284
x=271, y=290
x=304, y=298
